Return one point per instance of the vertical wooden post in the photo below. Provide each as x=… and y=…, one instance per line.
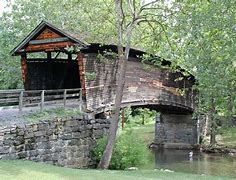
x=42, y=101
x=64, y=98
x=49, y=55
x=24, y=68
x=69, y=56
x=80, y=61
x=80, y=99
x=123, y=118
x=21, y=101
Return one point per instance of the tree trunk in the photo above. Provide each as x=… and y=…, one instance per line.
x=206, y=126
x=123, y=118
x=213, y=132
x=213, y=123
x=123, y=58
x=106, y=157
x=230, y=117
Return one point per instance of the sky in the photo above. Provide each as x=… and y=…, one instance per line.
x=2, y=5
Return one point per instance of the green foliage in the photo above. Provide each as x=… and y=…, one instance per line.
x=129, y=151
x=72, y=16
x=90, y=76
x=127, y=114
x=143, y=116
x=154, y=61
x=107, y=57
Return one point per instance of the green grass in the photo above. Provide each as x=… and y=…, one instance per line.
x=227, y=136
x=24, y=170
x=145, y=132
x=51, y=114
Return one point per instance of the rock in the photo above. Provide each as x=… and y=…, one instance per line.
x=132, y=168
x=166, y=170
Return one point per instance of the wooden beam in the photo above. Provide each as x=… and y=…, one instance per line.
x=47, y=41
x=50, y=46
x=80, y=59
x=69, y=56
x=64, y=98
x=42, y=101
x=57, y=54
x=49, y=55
x=21, y=101
x=24, y=67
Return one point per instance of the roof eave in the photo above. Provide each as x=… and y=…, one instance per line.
x=36, y=30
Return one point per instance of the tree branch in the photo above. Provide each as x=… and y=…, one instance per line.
x=145, y=5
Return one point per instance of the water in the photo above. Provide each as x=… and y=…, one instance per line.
x=200, y=163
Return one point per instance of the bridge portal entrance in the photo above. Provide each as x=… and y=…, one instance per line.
x=50, y=59
x=51, y=73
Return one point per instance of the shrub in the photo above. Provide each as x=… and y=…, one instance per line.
x=129, y=151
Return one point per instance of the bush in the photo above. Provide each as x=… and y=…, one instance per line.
x=129, y=151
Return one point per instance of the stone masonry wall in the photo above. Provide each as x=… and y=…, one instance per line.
x=65, y=142
x=177, y=131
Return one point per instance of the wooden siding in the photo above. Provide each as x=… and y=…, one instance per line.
x=154, y=86
x=142, y=87
x=80, y=62
x=103, y=85
x=48, y=34
x=52, y=42
x=23, y=67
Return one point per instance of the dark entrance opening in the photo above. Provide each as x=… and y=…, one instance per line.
x=52, y=74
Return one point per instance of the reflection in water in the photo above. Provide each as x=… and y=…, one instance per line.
x=198, y=163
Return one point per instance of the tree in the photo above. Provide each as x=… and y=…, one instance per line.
x=136, y=14
x=73, y=16
x=202, y=38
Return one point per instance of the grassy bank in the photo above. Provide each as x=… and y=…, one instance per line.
x=23, y=170
x=51, y=114
x=145, y=132
x=227, y=137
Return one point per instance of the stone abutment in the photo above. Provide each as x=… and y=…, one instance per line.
x=64, y=142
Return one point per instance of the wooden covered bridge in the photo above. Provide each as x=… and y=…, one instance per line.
x=52, y=59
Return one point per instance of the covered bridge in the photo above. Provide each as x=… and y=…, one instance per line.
x=54, y=59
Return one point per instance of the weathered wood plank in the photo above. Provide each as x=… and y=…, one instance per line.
x=47, y=33
x=48, y=41
x=21, y=101
x=50, y=46
x=42, y=100
x=64, y=98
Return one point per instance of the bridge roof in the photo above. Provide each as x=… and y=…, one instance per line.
x=31, y=39
x=62, y=39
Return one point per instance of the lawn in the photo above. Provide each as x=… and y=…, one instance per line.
x=23, y=170
x=145, y=132
x=227, y=136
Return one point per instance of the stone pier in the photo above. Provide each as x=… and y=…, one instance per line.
x=176, y=131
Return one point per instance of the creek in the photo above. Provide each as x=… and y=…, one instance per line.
x=199, y=163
